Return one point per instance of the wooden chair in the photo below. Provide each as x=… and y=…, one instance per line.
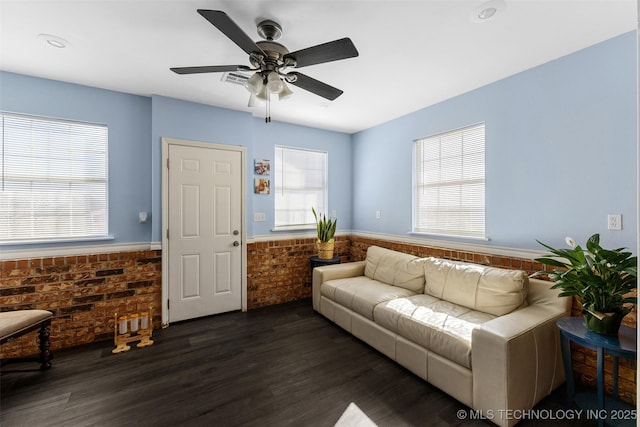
x=14, y=324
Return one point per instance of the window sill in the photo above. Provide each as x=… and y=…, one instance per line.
x=449, y=236
x=301, y=227
x=54, y=241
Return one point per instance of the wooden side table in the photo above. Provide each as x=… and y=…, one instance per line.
x=317, y=262
x=624, y=345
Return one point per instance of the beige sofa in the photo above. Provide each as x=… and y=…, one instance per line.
x=484, y=335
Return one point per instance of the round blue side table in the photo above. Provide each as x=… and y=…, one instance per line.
x=573, y=329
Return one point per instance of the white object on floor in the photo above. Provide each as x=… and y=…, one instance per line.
x=354, y=417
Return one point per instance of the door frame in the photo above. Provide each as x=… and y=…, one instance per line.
x=165, y=217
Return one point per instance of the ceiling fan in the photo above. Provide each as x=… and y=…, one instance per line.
x=271, y=61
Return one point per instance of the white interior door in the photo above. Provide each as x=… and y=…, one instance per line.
x=204, y=231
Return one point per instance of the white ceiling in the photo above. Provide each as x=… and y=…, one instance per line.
x=412, y=53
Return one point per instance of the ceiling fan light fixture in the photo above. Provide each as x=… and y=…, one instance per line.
x=263, y=93
x=285, y=93
x=254, y=84
x=254, y=101
x=274, y=83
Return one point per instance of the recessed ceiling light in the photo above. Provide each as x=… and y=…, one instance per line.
x=487, y=10
x=54, y=41
x=487, y=13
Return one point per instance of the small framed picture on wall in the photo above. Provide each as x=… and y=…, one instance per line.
x=262, y=186
x=262, y=166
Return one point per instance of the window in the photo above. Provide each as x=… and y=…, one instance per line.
x=301, y=183
x=53, y=180
x=449, y=190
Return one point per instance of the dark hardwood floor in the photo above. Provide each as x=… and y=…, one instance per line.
x=277, y=366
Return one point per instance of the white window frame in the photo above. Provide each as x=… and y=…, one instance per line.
x=300, y=207
x=54, y=180
x=449, y=184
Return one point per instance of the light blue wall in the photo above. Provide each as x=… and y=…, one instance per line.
x=197, y=122
x=560, y=152
x=173, y=118
x=136, y=126
x=338, y=147
x=128, y=119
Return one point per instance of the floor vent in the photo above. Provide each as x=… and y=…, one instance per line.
x=235, y=77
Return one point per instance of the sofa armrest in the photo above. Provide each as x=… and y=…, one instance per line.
x=331, y=272
x=516, y=361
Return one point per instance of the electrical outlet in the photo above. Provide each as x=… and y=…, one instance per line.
x=333, y=214
x=259, y=216
x=614, y=222
x=378, y=215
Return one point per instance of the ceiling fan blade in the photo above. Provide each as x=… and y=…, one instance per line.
x=326, y=52
x=315, y=86
x=209, y=69
x=221, y=21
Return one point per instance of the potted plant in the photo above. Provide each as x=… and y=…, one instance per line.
x=326, y=230
x=600, y=279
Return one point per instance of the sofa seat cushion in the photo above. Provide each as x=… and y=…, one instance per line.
x=361, y=294
x=496, y=291
x=437, y=325
x=395, y=268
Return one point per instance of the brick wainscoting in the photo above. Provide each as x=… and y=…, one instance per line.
x=83, y=292
x=279, y=271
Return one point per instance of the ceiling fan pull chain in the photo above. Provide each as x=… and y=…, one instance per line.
x=267, y=119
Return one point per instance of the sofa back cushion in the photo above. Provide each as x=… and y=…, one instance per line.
x=491, y=290
x=395, y=268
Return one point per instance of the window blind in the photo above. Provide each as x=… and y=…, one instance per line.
x=450, y=183
x=300, y=183
x=54, y=180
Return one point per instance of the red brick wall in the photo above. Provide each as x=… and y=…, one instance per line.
x=83, y=292
x=279, y=271
x=359, y=247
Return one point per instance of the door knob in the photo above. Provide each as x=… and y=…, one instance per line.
x=236, y=243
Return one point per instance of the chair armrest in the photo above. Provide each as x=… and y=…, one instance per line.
x=331, y=272
x=516, y=361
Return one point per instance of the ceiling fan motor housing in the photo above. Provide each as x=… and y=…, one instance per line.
x=274, y=51
x=269, y=30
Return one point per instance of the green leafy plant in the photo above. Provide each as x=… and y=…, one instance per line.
x=326, y=227
x=600, y=279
